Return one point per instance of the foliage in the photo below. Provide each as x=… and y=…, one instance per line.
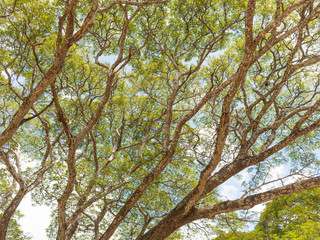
x=292, y=217
x=127, y=118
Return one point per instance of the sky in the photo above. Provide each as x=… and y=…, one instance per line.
x=36, y=219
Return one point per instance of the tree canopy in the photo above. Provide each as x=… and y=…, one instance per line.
x=127, y=118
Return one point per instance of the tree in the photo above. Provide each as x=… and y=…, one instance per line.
x=292, y=217
x=7, y=189
x=127, y=117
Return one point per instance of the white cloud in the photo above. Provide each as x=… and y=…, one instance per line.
x=258, y=208
x=36, y=219
x=279, y=171
x=230, y=191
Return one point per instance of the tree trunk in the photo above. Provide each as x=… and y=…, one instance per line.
x=176, y=219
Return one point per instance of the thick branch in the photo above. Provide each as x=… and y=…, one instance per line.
x=251, y=201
